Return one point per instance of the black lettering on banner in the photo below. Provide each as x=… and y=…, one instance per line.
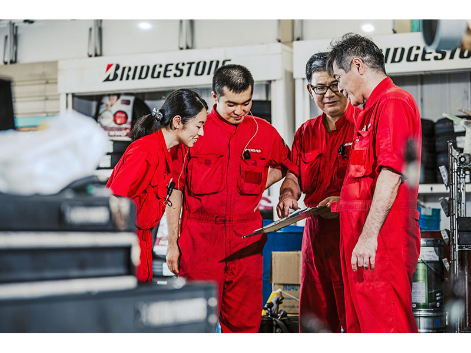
x=153, y=74
x=177, y=67
x=134, y=72
x=210, y=66
x=452, y=54
x=465, y=54
x=225, y=61
x=123, y=72
x=167, y=70
x=115, y=74
x=394, y=58
x=409, y=54
x=216, y=66
x=424, y=55
x=141, y=76
x=190, y=64
x=442, y=55
x=386, y=55
x=199, y=72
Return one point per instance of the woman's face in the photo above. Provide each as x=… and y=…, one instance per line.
x=193, y=129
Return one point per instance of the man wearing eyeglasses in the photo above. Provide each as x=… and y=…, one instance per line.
x=321, y=150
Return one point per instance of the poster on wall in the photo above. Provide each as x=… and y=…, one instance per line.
x=115, y=115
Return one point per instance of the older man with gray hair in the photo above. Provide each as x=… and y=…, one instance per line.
x=321, y=150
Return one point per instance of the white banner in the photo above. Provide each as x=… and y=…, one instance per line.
x=403, y=53
x=184, y=68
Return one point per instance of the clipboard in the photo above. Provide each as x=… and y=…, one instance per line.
x=290, y=219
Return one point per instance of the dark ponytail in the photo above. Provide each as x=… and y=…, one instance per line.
x=183, y=102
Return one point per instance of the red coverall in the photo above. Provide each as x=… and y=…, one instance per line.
x=220, y=206
x=143, y=174
x=322, y=170
x=381, y=300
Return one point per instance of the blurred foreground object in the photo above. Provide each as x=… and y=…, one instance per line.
x=44, y=162
x=447, y=34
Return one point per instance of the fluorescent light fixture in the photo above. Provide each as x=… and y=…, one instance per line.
x=368, y=28
x=145, y=25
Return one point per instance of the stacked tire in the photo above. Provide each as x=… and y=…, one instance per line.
x=428, y=172
x=446, y=130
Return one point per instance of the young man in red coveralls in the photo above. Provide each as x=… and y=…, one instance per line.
x=380, y=237
x=222, y=180
x=321, y=150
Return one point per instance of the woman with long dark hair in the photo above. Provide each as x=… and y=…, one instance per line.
x=143, y=173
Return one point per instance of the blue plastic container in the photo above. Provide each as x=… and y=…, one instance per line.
x=429, y=218
x=289, y=238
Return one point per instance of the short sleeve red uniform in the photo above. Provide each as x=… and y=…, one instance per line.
x=380, y=300
x=143, y=174
x=321, y=171
x=221, y=195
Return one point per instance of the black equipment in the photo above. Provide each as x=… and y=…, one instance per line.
x=82, y=206
x=7, y=119
x=175, y=307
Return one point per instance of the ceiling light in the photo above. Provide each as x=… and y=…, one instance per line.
x=145, y=25
x=368, y=28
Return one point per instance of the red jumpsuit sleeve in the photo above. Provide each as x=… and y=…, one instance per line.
x=134, y=174
x=180, y=156
x=295, y=155
x=280, y=155
x=393, y=131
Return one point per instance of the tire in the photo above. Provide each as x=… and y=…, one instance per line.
x=428, y=160
x=428, y=176
x=428, y=128
x=444, y=126
x=442, y=159
x=428, y=145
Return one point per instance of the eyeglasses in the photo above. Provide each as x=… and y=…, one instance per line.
x=320, y=90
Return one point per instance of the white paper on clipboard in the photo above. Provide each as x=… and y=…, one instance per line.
x=292, y=218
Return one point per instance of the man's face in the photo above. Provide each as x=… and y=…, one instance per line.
x=331, y=103
x=350, y=84
x=233, y=107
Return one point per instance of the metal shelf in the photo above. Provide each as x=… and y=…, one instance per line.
x=437, y=189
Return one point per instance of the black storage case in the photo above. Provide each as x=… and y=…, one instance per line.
x=148, y=308
x=83, y=206
x=43, y=256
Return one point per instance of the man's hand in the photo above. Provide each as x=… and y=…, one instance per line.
x=173, y=258
x=289, y=195
x=327, y=214
x=364, y=254
x=285, y=205
x=387, y=184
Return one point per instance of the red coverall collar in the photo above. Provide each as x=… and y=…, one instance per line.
x=379, y=90
x=230, y=128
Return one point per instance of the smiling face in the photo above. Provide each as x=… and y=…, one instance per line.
x=233, y=107
x=350, y=84
x=190, y=132
x=333, y=104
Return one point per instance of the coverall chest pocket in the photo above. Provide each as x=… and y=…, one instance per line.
x=206, y=174
x=361, y=163
x=310, y=167
x=342, y=162
x=253, y=176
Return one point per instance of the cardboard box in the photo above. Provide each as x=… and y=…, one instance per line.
x=286, y=267
x=286, y=275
